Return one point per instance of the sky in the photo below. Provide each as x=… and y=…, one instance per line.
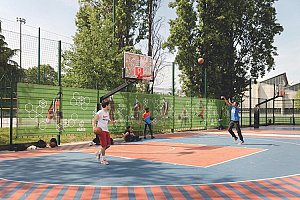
x=58, y=16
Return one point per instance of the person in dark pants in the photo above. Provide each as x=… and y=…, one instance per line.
x=234, y=120
x=147, y=122
x=130, y=137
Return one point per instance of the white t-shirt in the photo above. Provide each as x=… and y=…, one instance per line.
x=103, y=120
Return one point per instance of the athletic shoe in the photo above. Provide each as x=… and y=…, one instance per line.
x=152, y=137
x=144, y=137
x=104, y=162
x=241, y=142
x=91, y=143
x=235, y=139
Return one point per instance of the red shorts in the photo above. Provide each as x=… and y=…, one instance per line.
x=104, y=138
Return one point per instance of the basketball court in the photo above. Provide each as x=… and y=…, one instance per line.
x=185, y=165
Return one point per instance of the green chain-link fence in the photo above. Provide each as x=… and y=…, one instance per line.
x=38, y=111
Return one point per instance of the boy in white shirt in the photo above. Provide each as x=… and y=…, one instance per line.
x=101, y=120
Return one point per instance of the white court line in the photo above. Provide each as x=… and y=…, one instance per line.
x=259, y=134
x=117, y=186
x=237, y=158
x=269, y=140
x=249, y=134
x=154, y=161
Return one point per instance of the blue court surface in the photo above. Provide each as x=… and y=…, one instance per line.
x=193, y=165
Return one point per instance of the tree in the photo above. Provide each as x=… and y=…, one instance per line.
x=10, y=72
x=234, y=37
x=97, y=55
x=48, y=75
x=181, y=40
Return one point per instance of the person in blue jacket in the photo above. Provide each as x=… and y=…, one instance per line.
x=234, y=120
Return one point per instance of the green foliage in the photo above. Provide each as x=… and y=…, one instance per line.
x=10, y=72
x=297, y=99
x=47, y=75
x=95, y=57
x=234, y=37
x=181, y=39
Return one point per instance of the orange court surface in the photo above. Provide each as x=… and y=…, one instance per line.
x=184, y=165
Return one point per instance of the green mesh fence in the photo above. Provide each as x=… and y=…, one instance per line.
x=39, y=114
x=35, y=103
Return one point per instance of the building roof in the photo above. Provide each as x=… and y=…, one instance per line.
x=294, y=87
x=279, y=79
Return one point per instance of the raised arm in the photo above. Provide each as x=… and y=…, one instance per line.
x=225, y=100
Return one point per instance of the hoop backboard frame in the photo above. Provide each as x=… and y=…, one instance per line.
x=137, y=66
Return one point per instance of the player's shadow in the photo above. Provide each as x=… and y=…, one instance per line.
x=83, y=169
x=253, y=144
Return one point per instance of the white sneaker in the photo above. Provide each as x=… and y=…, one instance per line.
x=91, y=143
x=241, y=142
x=104, y=162
x=98, y=155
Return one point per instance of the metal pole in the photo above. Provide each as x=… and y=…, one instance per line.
x=191, y=97
x=205, y=94
x=293, y=111
x=114, y=17
x=11, y=114
x=21, y=20
x=250, y=103
x=266, y=113
x=60, y=99
x=241, y=111
x=1, y=111
x=173, y=93
x=274, y=104
x=39, y=56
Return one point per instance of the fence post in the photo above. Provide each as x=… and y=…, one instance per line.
x=11, y=115
x=39, y=56
x=274, y=105
x=241, y=100
x=1, y=110
x=173, y=93
x=293, y=111
x=60, y=99
x=266, y=113
x=127, y=107
x=191, y=107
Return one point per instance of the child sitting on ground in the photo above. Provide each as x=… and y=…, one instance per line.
x=128, y=136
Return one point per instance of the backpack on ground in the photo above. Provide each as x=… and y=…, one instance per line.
x=41, y=144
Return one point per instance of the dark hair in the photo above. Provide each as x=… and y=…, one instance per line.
x=104, y=104
x=147, y=109
x=128, y=127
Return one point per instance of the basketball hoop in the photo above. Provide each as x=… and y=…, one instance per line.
x=136, y=66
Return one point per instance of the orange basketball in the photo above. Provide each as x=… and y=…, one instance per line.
x=98, y=130
x=200, y=61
